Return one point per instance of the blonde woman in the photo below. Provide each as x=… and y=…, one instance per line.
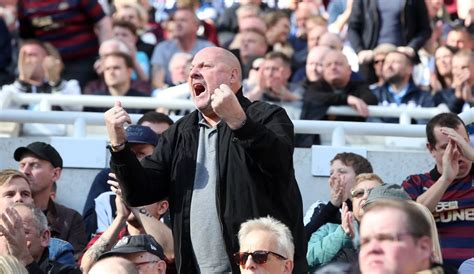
x=11, y=265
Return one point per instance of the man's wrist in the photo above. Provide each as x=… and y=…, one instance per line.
x=117, y=147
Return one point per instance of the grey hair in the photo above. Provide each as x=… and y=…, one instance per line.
x=40, y=218
x=272, y=225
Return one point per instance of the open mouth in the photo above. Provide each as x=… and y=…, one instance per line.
x=198, y=89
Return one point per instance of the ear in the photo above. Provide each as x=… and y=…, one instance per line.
x=44, y=237
x=56, y=174
x=288, y=267
x=161, y=267
x=163, y=207
x=234, y=76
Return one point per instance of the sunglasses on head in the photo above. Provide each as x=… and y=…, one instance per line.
x=258, y=256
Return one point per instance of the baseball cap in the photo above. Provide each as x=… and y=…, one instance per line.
x=134, y=244
x=386, y=191
x=137, y=134
x=41, y=150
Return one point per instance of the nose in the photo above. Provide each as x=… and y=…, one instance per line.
x=250, y=264
x=194, y=73
x=18, y=198
x=25, y=169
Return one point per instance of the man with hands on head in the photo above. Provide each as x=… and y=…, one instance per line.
x=199, y=158
x=447, y=189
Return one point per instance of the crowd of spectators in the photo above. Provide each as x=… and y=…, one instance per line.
x=304, y=56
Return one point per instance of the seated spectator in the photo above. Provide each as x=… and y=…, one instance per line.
x=139, y=249
x=75, y=30
x=15, y=189
x=335, y=89
x=334, y=41
x=303, y=11
x=108, y=47
x=39, y=68
x=458, y=97
x=42, y=165
x=266, y=246
x=183, y=39
x=26, y=233
x=179, y=67
x=248, y=17
x=148, y=34
x=318, y=28
x=331, y=238
x=127, y=33
x=442, y=77
x=114, y=265
x=118, y=68
x=253, y=44
x=314, y=65
x=380, y=52
x=228, y=22
x=459, y=37
x=273, y=81
x=446, y=189
x=395, y=237
x=278, y=29
x=344, y=169
x=399, y=88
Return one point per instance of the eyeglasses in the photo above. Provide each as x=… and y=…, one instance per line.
x=361, y=192
x=385, y=238
x=258, y=256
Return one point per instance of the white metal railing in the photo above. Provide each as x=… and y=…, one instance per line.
x=80, y=120
x=46, y=101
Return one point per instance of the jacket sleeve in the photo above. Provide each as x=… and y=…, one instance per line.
x=354, y=31
x=147, y=182
x=268, y=137
x=325, y=243
x=422, y=22
x=363, y=92
x=325, y=214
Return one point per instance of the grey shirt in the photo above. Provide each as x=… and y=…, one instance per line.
x=206, y=228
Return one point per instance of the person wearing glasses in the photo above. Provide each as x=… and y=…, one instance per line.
x=226, y=162
x=266, y=246
x=395, y=237
x=330, y=238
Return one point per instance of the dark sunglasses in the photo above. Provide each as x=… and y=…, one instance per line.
x=258, y=256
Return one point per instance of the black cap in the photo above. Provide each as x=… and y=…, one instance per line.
x=41, y=150
x=137, y=134
x=134, y=244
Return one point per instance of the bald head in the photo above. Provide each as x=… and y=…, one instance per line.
x=336, y=69
x=225, y=57
x=331, y=40
x=314, y=64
